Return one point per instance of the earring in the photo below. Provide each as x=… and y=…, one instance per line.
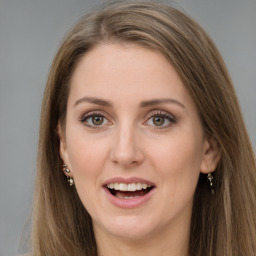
x=70, y=179
x=210, y=179
x=65, y=168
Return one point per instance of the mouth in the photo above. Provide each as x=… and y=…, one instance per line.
x=130, y=190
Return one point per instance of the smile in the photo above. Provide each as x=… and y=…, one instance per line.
x=128, y=191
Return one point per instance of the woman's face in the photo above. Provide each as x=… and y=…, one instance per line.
x=133, y=142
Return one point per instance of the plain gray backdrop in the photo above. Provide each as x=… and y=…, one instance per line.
x=30, y=33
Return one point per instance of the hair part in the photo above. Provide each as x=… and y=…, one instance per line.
x=223, y=224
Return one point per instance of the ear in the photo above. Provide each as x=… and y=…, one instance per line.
x=63, y=144
x=211, y=155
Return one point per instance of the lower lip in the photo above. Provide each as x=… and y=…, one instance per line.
x=131, y=202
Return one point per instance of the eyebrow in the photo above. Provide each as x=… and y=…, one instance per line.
x=94, y=100
x=143, y=104
x=154, y=102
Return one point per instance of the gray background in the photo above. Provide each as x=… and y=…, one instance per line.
x=30, y=32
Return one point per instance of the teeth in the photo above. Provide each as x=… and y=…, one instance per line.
x=126, y=197
x=128, y=187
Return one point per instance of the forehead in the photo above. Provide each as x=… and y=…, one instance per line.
x=121, y=71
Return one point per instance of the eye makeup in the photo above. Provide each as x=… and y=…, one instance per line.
x=157, y=119
x=94, y=120
x=160, y=119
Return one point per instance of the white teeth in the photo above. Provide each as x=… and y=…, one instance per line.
x=144, y=186
x=122, y=187
x=126, y=197
x=139, y=186
x=128, y=187
x=112, y=185
x=116, y=186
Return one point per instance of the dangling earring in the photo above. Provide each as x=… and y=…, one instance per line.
x=70, y=179
x=210, y=179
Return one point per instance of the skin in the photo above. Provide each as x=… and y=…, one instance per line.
x=129, y=144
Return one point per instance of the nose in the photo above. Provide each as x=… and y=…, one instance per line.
x=127, y=149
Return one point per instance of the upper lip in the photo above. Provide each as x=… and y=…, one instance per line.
x=128, y=181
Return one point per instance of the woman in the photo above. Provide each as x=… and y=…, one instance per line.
x=142, y=147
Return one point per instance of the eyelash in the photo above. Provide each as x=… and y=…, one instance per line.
x=163, y=114
x=89, y=115
x=157, y=113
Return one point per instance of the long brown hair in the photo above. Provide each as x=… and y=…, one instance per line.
x=222, y=224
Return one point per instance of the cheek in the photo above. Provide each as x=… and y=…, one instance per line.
x=178, y=159
x=178, y=170
x=87, y=156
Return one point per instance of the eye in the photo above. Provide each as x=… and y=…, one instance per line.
x=160, y=119
x=97, y=120
x=94, y=120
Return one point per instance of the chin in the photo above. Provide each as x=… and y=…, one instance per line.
x=129, y=227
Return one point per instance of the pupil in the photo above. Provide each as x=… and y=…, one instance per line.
x=158, y=120
x=97, y=120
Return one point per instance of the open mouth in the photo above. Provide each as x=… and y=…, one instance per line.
x=129, y=191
